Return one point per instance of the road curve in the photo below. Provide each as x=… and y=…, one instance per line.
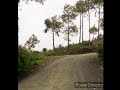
x=61, y=74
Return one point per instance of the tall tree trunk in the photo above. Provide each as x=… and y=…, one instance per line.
x=80, y=30
x=53, y=42
x=82, y=27
x=98, y=22
x=68, y=34
x=89, y=23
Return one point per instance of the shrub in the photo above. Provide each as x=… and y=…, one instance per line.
x=28, y=61
x=44, y=49
x=34, y=56
x=23, y=61
x=100, y=52
x=85, y=43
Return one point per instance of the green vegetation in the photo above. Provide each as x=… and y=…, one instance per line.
x=44, y=49
x=23, y=61
x=27, y=61
x=100, y=50
x=82, y=48
x=85, y=47
x=100, y=53
x=31, y=42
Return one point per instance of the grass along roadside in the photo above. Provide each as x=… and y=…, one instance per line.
x=32, y=67
x=38, y=64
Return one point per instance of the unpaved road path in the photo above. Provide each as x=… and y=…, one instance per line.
x=61, y=74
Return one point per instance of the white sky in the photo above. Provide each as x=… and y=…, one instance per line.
x=31, y=21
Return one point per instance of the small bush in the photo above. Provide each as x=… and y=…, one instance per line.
x=35, y=63
x=44, y=49
x=23, y=61
x=35, y=56
x=100, y=52
x=27, y=61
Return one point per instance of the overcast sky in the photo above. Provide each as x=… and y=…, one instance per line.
x=31, y=21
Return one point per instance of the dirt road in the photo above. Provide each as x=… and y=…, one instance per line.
x=63, y=72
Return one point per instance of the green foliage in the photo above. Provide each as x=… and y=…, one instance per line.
x=89, y=4
x=44, y=49
x=93, y=30
x=73, y=31
x=53, y=24
x=67, y=17
x=68, y=13
x=48, y=24
x=23, y=61
x=35, y=56
x=31, y=42
x=98, y=42
x=80, y=7
x=100, y=52
x=28, y=60
x=96, y=2
x=82, y=48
